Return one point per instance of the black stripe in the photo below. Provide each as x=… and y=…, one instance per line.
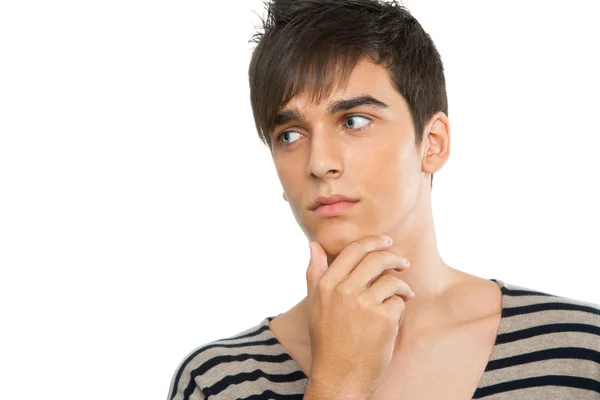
x=255, y=375
x=202, y=369
x=578, y=353
x=524, y=292
x=210, y=346
x=269, y=394
x=222, y=359
x=544, y=330
x=548, y=380
x=532, y=308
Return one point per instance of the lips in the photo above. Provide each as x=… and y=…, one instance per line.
x=328, y=200
x=335, y=209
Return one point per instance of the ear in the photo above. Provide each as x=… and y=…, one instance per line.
x=436, y=143
x=284, y=197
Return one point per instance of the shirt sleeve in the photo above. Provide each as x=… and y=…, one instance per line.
x=183, y=387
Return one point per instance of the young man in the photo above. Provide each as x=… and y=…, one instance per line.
x=350, y=97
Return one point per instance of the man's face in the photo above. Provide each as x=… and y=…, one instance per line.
x=367, y=152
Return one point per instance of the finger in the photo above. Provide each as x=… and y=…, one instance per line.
x=317, y=265
x=386, y=286
x=372, y=266
x=351, y=256
x=395, y=306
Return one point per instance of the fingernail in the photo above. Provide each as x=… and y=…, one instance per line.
x=387, y=239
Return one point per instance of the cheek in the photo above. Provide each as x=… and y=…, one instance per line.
x=295, y=192
x=387, y=170
x=289, y=181
x=392, y=180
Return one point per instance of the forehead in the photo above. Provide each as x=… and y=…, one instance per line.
x=367, y=77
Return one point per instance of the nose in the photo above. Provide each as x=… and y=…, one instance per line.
x=325, y=159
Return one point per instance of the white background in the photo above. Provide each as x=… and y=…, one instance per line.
x=140, y=216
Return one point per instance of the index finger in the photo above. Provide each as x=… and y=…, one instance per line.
x=352, y=255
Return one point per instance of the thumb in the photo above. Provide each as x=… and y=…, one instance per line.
x=316, y=268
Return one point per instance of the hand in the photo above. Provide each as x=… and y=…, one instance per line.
x=355, y=311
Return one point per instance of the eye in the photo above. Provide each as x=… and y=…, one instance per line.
x=353, y=124
x=283, y=134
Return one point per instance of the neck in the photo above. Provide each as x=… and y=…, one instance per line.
x=434, y=282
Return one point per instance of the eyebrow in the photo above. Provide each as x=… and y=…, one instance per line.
x=283, y=117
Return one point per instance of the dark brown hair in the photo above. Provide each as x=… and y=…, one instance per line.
x=313, y=46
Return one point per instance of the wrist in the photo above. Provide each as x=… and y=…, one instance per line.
x=318, y=389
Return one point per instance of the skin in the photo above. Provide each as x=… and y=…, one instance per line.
x=381, y=166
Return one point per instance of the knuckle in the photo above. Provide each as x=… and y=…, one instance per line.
x=324, y=286
x=400, y=306
x=344, y=289
x=309, y=274
x=397, y=303
x=389, y=314
x=362, y=302
x=371, y=257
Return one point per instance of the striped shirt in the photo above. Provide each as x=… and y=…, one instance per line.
x=547, y=347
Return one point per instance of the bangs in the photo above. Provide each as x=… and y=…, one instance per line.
x=317, y=77
x=314, y=73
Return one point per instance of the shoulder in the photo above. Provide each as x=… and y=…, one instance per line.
x=538, y=306
x=547, y=334
x=196, y=376
x=545, y=342
x=528, y=311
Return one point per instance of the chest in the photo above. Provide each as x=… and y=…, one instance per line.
x=448, y=366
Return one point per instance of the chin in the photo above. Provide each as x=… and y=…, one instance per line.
x=333, y=237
